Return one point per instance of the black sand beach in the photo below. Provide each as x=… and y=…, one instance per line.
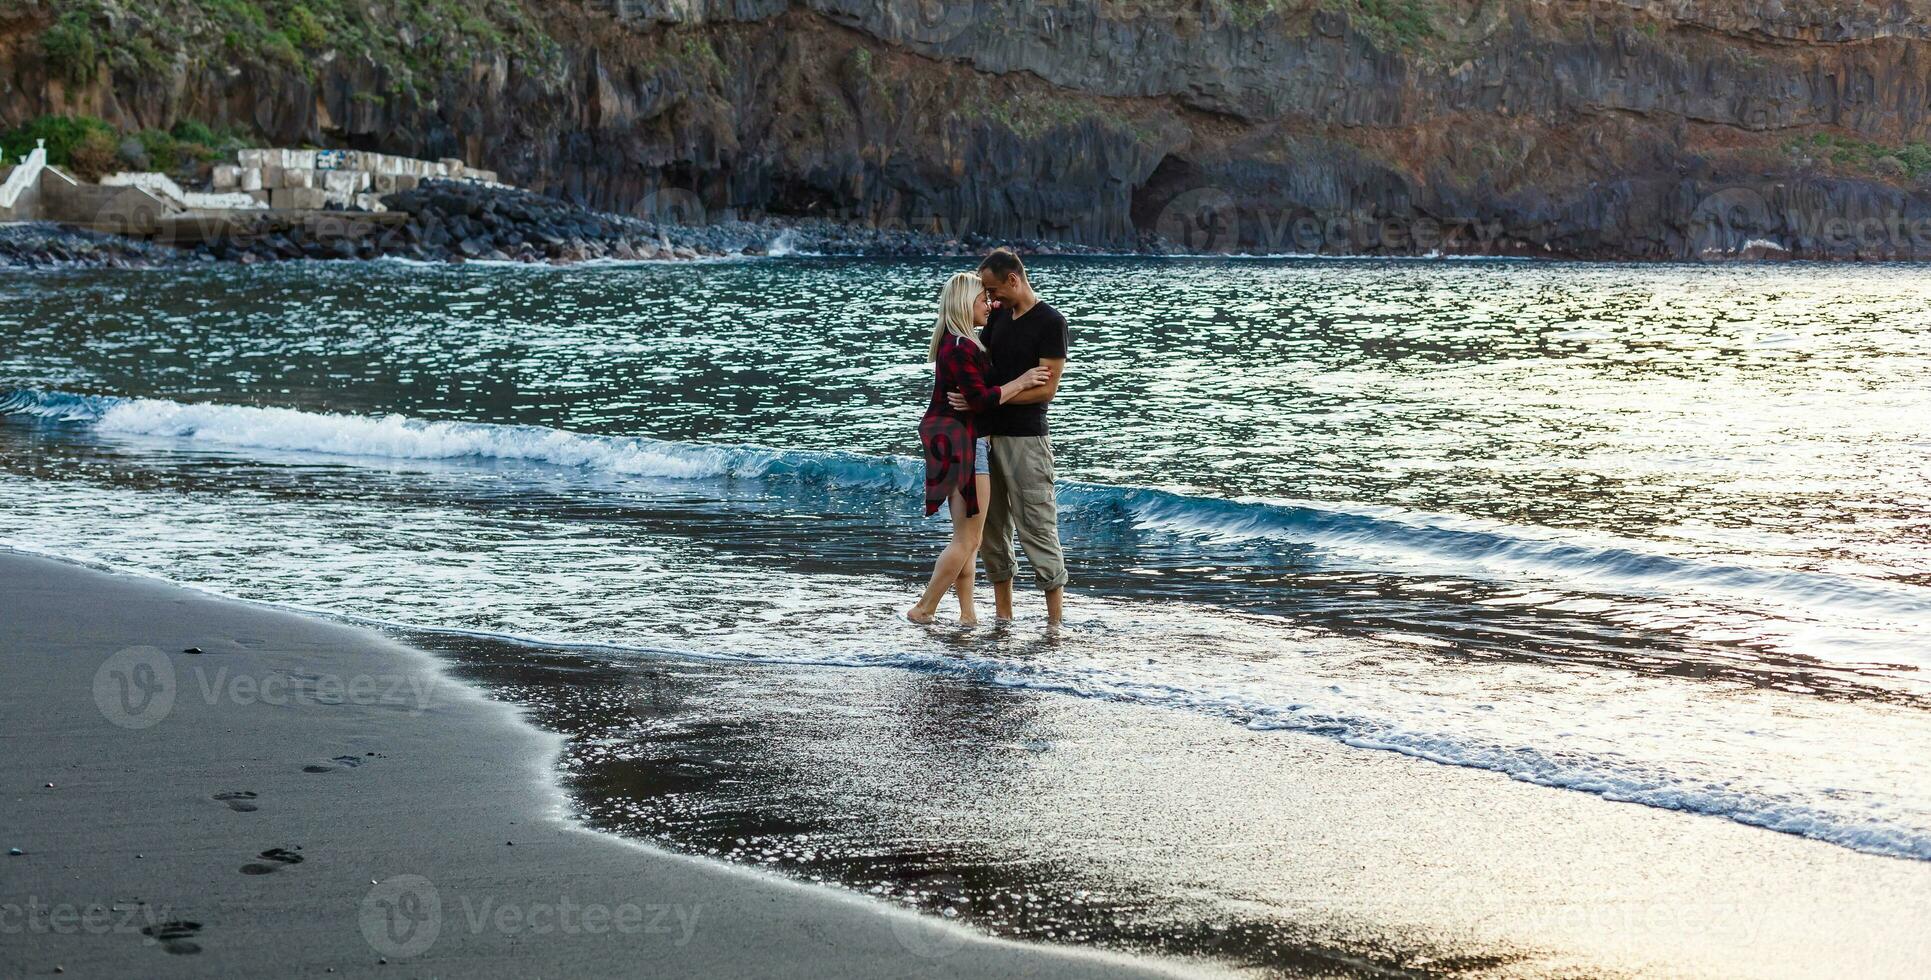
x=306, y=798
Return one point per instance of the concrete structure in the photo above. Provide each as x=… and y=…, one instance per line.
x=121, y=210
x=301, y=198
x=124, y=204
x=354, y=179
x=160, y=185
x=198, y=227
x=326, y=195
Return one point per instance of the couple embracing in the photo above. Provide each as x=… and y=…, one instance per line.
x=997, y=351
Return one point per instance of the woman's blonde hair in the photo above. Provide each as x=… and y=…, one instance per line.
x=955, y=311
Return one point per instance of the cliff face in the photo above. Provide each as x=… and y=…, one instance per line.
x=1613, y=128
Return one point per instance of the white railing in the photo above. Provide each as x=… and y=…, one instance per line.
x=24, y=176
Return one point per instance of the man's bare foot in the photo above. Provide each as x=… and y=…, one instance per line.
x=921, y=618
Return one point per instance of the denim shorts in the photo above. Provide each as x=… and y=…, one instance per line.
x=982, y=456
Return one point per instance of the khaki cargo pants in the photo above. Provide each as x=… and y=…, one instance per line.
x=1023, y=501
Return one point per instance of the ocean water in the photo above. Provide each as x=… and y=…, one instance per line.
x=1657, y=534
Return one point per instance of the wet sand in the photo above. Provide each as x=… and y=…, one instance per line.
x=305, y=798
x=1067, y=819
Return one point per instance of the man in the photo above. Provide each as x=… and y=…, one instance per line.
x=1023, y=332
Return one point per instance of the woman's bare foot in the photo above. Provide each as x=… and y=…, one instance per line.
x=917, y=616
x=968, y=621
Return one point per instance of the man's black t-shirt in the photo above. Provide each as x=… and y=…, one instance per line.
x=1017, y=345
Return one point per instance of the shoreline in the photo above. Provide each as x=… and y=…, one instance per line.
x=56, y=247
x=1042, y=816
x=457, y=222
x=311, y=797
x=1379, y=879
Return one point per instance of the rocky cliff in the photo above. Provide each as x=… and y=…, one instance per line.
x=1597, y=128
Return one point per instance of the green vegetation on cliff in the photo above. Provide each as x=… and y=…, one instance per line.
x=409, y=41
x=1906, y=161
x=69, y=48
x=1390, y=24
x=1031, y=114
x=92, y=147
x=64, y=136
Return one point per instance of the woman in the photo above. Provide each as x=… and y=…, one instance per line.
x=955, y=455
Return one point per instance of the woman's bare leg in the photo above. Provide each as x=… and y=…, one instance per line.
x=975, y=527
x=956, y=559
x=962, y=587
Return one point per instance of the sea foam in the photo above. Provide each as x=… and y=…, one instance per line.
x=1376, y=537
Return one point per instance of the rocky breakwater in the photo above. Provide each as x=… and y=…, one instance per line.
x=456, y=221
x=459, y=221
x=44, y=245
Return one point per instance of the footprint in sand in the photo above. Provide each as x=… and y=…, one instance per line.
x=342, y=762
x=274, y=859
x=333, y=764
x=174, y=935
x=240, y=800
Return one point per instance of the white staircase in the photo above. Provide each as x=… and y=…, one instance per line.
x=24, y=176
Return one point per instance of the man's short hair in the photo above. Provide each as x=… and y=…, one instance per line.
x=1003, y=263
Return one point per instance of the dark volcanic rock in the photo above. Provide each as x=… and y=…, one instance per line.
x=1617, y=130
x=476, y=221
x=40, y=244
x=1632, y=128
